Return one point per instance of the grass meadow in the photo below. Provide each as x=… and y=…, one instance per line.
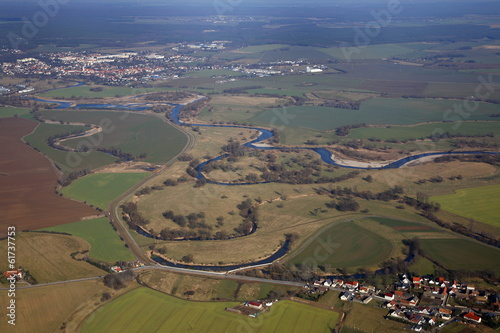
x=354, y=246
x=462, y=254
x=105, y=244
x=479, y=203
x=145, y=309
x=133, y=133
x=10, y=111
x=99, y=189
x=66, y=161
x=85, y=92
x=47, y=257
x=424, y=130
x=379, y=111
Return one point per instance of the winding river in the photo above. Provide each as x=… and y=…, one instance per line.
x=325, y=155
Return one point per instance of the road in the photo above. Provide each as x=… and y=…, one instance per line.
x=176, y=270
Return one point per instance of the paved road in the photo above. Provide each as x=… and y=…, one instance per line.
x=176, y=270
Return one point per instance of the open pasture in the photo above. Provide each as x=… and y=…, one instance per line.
x=27, y=197
x=462, y=254
x=133, y=133
x=99, y=189
x=47, y=257
x=107, y=91
x=105, y=244
x=214, y=72
x=66, y=161
x=479, y=203
x=148, y=310
x=379, y=111
x=10, y=111
x=424, y=130
x=45, y=309
x=403, y=226
x=377, y=51
x=354, y=246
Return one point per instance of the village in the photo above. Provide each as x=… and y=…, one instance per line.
x=424, y=303
x=139, y=67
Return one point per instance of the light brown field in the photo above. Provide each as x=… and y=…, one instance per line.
x=47, y=257
x=45, y=309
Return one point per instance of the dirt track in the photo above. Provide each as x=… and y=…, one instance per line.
x=27, y=182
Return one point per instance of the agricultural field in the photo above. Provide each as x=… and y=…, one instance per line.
x=206, y=289
x=381, y=111
x=462, y=254
x=45, y=309
x=352, y=246
x=27, y=196
x=6, y=112
x=66, y=161
x=107, y=91
x=214, y=72
x=99, y=189
x=47, y=256
x=375, y=51
x=177, y=315
x=105, y=244
x=239, y=108
x=424, y=130
x=133, y=133
x=479, y=203
x=364, y=318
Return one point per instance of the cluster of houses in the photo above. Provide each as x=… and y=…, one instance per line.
x=421, y=312
x=124, y=266
x=252, y=308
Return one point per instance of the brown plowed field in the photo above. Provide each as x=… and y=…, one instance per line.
x=27, y=181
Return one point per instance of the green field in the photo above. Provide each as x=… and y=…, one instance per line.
x=262, y=48
x=462, y=254
x=377, y=111
x=214, y=72
x=403, y=226
x=422, y=131
x=104, y=241
x=354, y=246
x=9, y=111
x=374, y=51
x=66, y=161
x=85, y=92
x=133, y=133
x=146, y=310
x=479, y=203
x=99, y=189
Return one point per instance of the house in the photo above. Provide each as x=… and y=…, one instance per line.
x=117, y=269
x=328, y=283
x=445, y=313
x=389, y=296
x=255, y=305
x=14, y=274
x=367, y=299
x=417, y=281
x=351, y=285
x=338, y=282
x=417, y=328
x=432, y=321
x=363, y=290
x=390, y=304
x=397, y=313
x=472, y=317
x=399, y=294
x=346, y=296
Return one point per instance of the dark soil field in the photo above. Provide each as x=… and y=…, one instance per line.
x=27, y=181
